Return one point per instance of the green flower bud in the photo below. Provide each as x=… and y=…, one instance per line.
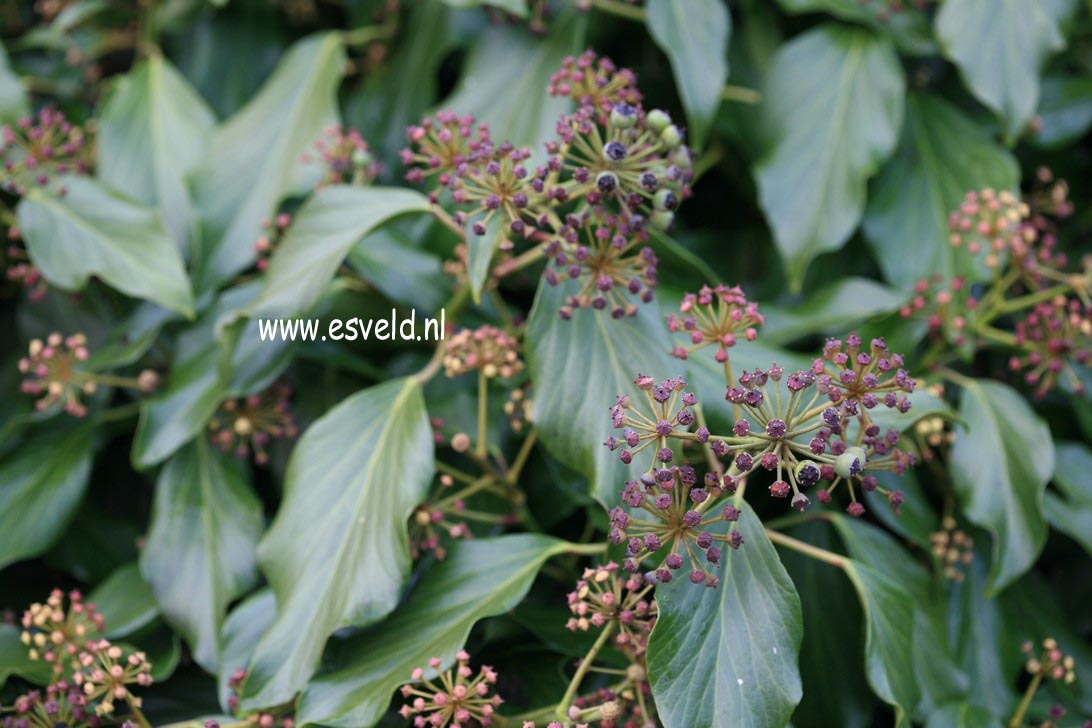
x=665, y=200
x=658, y=120
x=807, y=473
x=671, y=137
x=681, y=157
x=623, y=116
x=850, y=463
x=661, y=219
x=362, y=158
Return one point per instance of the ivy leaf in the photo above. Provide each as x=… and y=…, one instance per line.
x=125, y=602
x=838, y=306
x=578, y=367
x=515, y=7
x=1070, y=509
x=908, y=27
x=1065, y=111
x=999, y=47
x=13, y=98
x=962, y=715
x=42, y=482
x=242, y=631
x=93, y=231
x=478, y=579
x=322, y=233
x=942, y=154
x=1000, y=463
x=15, y=660
x=201, y=550
x=833, y=102
x=400, y=270
x=253, y=160
x=728, y=656
x=358, y=470
x=480, y=249
x=694, y=36
x=152, y=133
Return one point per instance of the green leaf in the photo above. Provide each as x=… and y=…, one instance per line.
x=1000, y=463
x=908, y=27
x=125, y=601
x=1065, y=111
x=515, y=7
x=999, y=47
x=1070, y=510
x=833, y=103
x=322, y=233
x=694, y=36
x=242, y=630
x=505, y=78
x=941, y=156
x=253, y=160
x=401, y=271
x=578, y=367
x=152, y=133
x=13, y=98
x=201, y=551
x=92, y=231
x=480, y=249
x=478, y=579
x=358, y=471
x=962, y=715
x=14, y=659
x=835, y=308
x=41, y=485
x=728, y=656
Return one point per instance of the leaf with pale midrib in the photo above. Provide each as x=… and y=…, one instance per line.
x=337, y=555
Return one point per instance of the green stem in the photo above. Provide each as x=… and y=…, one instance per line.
x=123, y=412
x=621, y=9
x=827, y=557
x=483, y=412
x=587, y=549
x=582, y=670
x=1025, y=702
x=1016, y=304
x=521, y=458
x=740, y=94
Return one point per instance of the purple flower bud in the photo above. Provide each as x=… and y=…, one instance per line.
x=735, y=539
x=776, y=428
x=731, y=513
x=673, y=561
x=691, y=519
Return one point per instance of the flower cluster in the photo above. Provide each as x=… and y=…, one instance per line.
x=714, y=317
x=60, y=704
x=20, y=270
x=106, y=672
x=1051, y=663
x=345, y=157
x=487, y=349
x=434, y=518
x=953, y=548
x=615, y=173
x=604, y=596
x=272, y=232
x=53, y=632
x=54, y=375
x=251, y=423
x=36, y=148
x=457, y=697
x=1054, y=336
x=518, y=408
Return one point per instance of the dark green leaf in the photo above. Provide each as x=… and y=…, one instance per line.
x=254, y=159
x=999, y=47
x=152, y=133
x=836, y=309
x=478, y=579
x=125, y=601
x=92, y=231
x=242, y=630
x=728, y=656
x=833, y=104
x=1072, y=514
x=13, y=99
x=515, y=7
x=962, y=715
x=41, y=485
x=908, y=26
x=1001, y=462
x=578, y=368
x=694, y=36
x=942, y=155
x=201, y=551
x=14, y=659
x=323, y=232
x=1065, y=111
x=402, y=272
x=358, y=471
x=480, y=249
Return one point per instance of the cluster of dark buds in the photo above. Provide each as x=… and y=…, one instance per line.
x=251, y=423
x=715, y=317
x=345, y=157
x=603, y=596
x=282, y=716
x=1054, y=336
x=457, y=697
x=53, y=632
x=20, y=270
x=55, y=374
x=272, y=232
x=60, y=704
x=615, y=173
x=491, y=351
x=953, y=548
x=36, y=148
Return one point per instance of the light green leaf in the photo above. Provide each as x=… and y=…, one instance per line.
x=253, y=160
x=999, y=47
x=478, y=579
x=833, y=104
x=400, y=270
x=13, y=99
x=152, y=133
x=515, y=7
x=1070, y=510
x=694, y=36
x=201, y=550
x=480, y=250
x=942, y=155
x=14, y=659
x=42, y=483
x=728, y=656
x=962, y=715
x=1065, y=111
x=358, y=471
x=92, y=231
x=322, y=233
x=836, y=308
x=1001, y=462
x=505, y=78
x=242, y=630
x=578, y=367
x=908, y=27
x=125, y=602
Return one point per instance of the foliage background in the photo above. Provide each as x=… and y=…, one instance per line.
x=827, y=199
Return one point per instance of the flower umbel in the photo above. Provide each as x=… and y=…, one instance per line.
x=714, y=317
x=54, y=631
x=251, y=423
x=457, y=697
x=35, y=148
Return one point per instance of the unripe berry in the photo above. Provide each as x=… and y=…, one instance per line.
x=623, y=116
x=665, y=200
x=850, y=463
x=614, y=151
x=658, y=120
x=807, y=473
x=661, y=219
x=671, y=137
